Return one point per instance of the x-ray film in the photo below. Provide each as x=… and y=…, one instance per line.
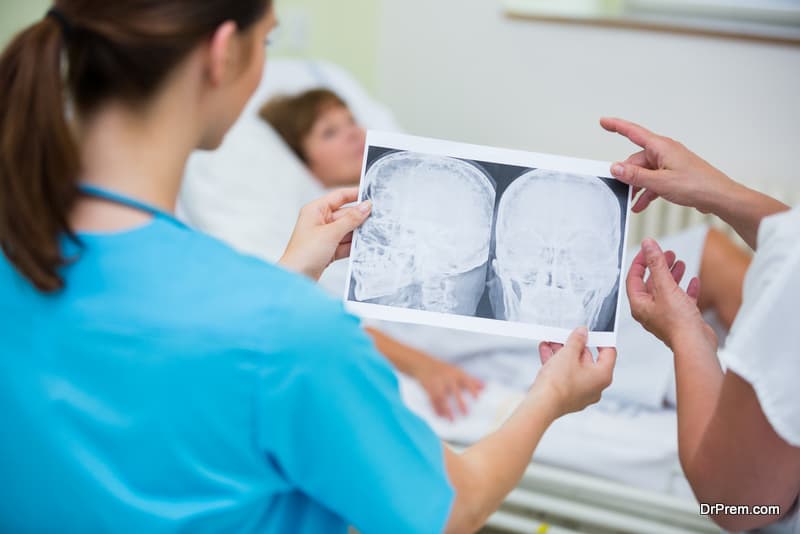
x=488, y=240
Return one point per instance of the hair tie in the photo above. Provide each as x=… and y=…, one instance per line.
x=62, y=20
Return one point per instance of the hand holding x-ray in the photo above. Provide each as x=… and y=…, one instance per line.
x=488, y=240
x=570, y=378
x=323, y=232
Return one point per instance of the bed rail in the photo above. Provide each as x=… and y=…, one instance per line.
x=559, y=501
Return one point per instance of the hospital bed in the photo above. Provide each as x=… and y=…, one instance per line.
x=248, y=194
x=557, y=500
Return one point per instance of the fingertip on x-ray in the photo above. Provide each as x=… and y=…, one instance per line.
x=489, y=240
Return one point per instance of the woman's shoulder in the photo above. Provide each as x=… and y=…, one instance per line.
x=231, y=270
x=182, y=282
x=779, y=228
x=777, y=255
x=272, y=303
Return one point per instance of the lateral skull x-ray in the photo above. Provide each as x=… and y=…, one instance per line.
x=426, y=244
x=489, y=240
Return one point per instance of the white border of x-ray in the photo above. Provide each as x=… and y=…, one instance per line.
x=502, y=156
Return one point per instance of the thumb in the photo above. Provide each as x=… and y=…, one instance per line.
x=634, y=175
x=657, y=263
x=545, y=352
x=607, y=357
x=348, y=219
x=576, y=341
x=693, y=290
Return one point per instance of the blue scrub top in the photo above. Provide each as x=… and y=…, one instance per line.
x=176, y=385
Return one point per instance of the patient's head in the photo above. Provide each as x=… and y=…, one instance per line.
x=319, y=127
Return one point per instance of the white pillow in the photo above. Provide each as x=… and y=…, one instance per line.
x=250, y=190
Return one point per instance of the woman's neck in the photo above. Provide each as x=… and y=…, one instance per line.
x=137, y=153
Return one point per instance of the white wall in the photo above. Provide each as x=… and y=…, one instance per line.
x=459, y=69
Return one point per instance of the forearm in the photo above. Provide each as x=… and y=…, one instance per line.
x=293, y=264
x=760, y=469
x=744, y=208
x=698, y=378
x=486, y=472
x=404, y=358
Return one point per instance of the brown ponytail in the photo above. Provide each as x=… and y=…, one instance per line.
x=114, y=50
x=38, y=158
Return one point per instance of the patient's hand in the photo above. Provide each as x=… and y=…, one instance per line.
x=659, y=303
x=570, y=379
x=666, y=168
x=447, y=385
x=323, y=232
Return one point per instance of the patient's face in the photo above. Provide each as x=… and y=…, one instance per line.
x=334, y=148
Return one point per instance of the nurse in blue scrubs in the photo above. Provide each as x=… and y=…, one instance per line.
x=154, y=380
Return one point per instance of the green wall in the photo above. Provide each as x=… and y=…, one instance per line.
x=344, y=32
x=16, y=14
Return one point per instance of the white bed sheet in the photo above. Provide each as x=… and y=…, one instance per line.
x=619, y=441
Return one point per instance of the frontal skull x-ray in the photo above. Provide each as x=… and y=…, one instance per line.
x=489, y=240
x=553, y=236
x=411, y=254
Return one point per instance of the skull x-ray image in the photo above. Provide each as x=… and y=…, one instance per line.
x=552, y=238
x=476, y=238
x=411, y=254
